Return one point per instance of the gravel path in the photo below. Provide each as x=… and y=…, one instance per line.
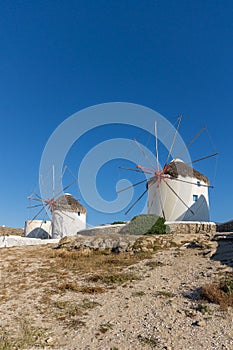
x=159, y=311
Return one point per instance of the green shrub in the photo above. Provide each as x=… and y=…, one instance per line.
x=158, y=228
x=139, y=225
x=145, y=224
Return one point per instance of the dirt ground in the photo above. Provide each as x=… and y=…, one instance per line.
x=9, y=231
x=67, y=300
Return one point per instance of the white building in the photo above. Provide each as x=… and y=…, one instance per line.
x=38, y=229
x=68, y=216
x=180, y=194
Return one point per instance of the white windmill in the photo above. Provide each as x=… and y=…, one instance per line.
x=176, y=191
x=68, y=215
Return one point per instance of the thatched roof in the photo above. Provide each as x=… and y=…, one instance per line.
x=68, y=203
x=177, y=167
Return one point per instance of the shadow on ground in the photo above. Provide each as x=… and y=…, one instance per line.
x=224, y=252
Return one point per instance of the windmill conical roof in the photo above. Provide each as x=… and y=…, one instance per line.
x=68, y=203
x=178, y=168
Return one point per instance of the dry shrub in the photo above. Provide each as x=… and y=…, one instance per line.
x=220, y=292
x=81, y=289
x=113, y=278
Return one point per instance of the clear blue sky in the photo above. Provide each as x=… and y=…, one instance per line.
x=58, y=57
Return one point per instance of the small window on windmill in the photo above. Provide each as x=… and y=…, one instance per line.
x=195, y=197
x=79, y=213
x=198, y=183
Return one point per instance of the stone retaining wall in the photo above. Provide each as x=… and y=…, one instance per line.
x=105, y=229
x=178, y=227
x=192, y=227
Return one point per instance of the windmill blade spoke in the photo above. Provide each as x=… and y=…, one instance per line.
x=40, y=211
x=191, y=141
x=43, y=186
x=156, y=146
x=140, y=197
x=136, y=170
x=35, y=199
x=179, y=197
x=174, y=139
x=127, y=188
x=145, y=155
x=35, y=206
x=37, y=196
x=191, y=183
x=63, y=172
x=42, y=221
x=203, y=158
x=65, y=188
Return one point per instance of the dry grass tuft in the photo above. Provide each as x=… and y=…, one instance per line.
x=70, y=312
x=71, y=286
x=113, y=278
x=153, y=264
x=219, y=292
x=27, y=337
x=104, y=327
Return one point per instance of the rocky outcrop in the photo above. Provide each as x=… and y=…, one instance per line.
x=118, y=243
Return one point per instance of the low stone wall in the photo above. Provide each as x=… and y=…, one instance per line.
x=192, y=227
x=105, y=229
x=225, y=227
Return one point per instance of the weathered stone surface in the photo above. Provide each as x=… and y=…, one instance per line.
x=192, y=227
x=105, y=229
x=133, y=243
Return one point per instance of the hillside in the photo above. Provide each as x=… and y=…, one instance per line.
x=70, y=298
x=9, y=231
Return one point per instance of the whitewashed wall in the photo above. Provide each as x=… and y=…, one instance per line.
x=65, y=223
x=173, y=207
x=38, y=229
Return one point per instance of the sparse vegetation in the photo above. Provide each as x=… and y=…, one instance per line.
x=153, y=264
x=71, y=286
x=203, y=308
x=148, y=341
x=110, y=279
x=164, y=293
x=70, y=312
x=58, y=272
x=138, y=294
x=10, y=231
x=219, y=292
x=104, y=327
x=27, y=336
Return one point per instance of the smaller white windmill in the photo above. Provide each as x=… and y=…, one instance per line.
x=68, y=215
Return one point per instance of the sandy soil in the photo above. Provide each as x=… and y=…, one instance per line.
x=158, y=311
